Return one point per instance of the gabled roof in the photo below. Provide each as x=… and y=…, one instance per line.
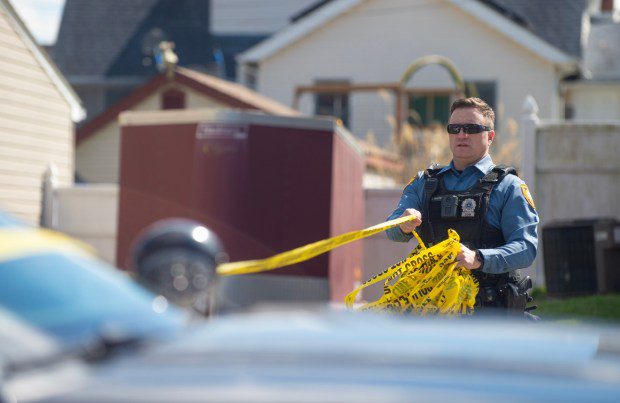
x=558, y=22
x=114, y=37
x=496, y=13
x=77, y=112
x=93, y=33
x=525, y=37
x=229, y=93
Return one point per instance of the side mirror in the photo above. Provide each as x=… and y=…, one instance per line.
x=177, y=258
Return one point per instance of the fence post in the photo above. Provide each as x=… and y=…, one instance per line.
x=49, y=214
x=528, y=126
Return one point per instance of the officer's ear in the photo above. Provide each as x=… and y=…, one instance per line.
x=491, y=135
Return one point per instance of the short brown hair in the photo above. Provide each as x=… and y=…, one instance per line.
x=475, y=103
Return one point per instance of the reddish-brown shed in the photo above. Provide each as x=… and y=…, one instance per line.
x=264, y=184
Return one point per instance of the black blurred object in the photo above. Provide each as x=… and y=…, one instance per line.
x=177, y=258
x=517, y=295
x=582, y=257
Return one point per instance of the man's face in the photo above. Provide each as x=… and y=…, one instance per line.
x=468, y=149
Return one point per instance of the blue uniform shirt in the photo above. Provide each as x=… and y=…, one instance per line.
x=509, y=210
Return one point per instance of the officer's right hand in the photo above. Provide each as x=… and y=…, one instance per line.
x=409, y=226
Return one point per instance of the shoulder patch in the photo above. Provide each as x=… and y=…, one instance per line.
x=527, y=195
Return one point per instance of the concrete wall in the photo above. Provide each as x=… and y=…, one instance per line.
x=377, y=40
x=89, y=213
x=572, y=169
x=577, y=170
x=379, y=251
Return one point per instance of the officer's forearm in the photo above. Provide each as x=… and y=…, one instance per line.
x=395, y=234
x=514, y=255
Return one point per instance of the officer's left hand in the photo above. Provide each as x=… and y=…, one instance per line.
x=467, y=258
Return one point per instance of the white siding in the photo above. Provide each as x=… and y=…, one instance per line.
x=377, y=40
x=98, y=156
x=35, y=126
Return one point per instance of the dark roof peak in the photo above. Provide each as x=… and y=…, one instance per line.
x=115, y=37
x=558, y=22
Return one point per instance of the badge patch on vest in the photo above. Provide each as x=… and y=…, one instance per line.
x=468, y=207
x=527, y=195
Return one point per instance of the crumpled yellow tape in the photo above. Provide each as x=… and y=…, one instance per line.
x=426, y=282
x=304, y=252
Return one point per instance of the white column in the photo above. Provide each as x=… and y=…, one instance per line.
x=49, y=208
x=528, y=126
x=528, y=129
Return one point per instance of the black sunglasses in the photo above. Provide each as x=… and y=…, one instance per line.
x=468, y=128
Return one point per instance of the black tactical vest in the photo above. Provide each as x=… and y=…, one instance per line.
x=464, y=211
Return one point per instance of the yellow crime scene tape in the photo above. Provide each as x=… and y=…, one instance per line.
x=304, y=252
x=427, y=281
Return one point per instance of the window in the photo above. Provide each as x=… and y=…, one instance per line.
x=485, y=90
x=333, y=103
x=429, y=109
x=250, y=75
x=173, y=99
x=434, y=108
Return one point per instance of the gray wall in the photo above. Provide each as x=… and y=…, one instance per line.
x=577, y=170
x=577, y=175
x=379, y=251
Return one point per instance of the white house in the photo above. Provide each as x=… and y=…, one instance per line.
x=37, y=115
x=374, y=41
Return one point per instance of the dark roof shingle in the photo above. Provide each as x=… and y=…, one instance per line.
x=110, y=37
x=558, y=22
x=93, y=33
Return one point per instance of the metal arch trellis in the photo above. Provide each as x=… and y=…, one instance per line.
x=397, y=88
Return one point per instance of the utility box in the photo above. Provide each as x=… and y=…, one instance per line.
x=582, y=257
x=264, y=184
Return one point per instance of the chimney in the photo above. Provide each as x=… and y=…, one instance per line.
x=607, y=6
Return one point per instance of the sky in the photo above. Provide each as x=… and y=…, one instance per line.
x=42, y=17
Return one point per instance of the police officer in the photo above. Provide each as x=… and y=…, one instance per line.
x=488, y=205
